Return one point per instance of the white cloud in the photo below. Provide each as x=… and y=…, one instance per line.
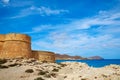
x=39, y=29
x=82, y=24
x=42, y=11
x=69, y=43
x=66, y=39
x=6, y=1
x=47, y=11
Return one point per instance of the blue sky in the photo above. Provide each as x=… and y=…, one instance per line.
x=74, y=27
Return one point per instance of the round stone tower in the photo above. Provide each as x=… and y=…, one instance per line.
x=44, y=56
x=16, y=45
x=2, y=37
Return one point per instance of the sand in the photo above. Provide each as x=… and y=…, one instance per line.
x=30, y=69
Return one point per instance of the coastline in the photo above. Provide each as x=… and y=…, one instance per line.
x=95, y=62
x=31, y=69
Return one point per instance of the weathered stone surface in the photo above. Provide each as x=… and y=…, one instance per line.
x=16, y=45
x=44, y=56
x=18, y=37
x=19, y=45
x=1, y=42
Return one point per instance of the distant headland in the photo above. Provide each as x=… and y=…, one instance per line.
x=68, y=57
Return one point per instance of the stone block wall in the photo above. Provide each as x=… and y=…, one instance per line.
x=1, y=42
x=19, y=45
x=16, y=45
x=44, y=56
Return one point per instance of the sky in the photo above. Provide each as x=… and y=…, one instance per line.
x=74, y=27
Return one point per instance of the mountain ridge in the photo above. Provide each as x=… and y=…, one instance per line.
x=68, y=57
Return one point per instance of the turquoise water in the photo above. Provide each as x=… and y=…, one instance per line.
x=95, y=63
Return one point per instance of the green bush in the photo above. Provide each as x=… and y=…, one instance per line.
x=29, y=71
x=39, y=78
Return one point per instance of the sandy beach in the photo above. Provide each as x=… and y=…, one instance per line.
x=31, y=69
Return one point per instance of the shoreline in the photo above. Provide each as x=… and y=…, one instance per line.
x=95, y=63
x=31, y=69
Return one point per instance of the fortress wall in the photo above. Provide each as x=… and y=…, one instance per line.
x=1, y=41
x=16, y=45
x=19, y=45
x=2, y=37
x=44, y=56
x=18, y=37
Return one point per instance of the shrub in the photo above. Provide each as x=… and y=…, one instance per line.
x=83, y=79
x=53, y=75
x=12, y=65
x=104, y=75
x=2, y=67
x=62, y=65
x=42, y=72
x=55, y=70
x=95, y=77
x=39, y=78
x=65, y=76
x=47, y=75
x=44, y=61
x=29, y=71
x=2, y=61
x=59, y=67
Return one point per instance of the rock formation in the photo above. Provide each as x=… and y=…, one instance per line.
x=19, y=45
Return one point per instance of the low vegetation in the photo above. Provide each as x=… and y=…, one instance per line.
x=62, y=65
x=3, y=67
x=47, y=76
x=29, y=71
x=55, y=70
x=83, y=79
x=12, y=65
x=39, y=78
x=2, y=61
x=42, y=72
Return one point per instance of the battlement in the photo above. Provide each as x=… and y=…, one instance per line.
x=17, y=37
x=19, y=45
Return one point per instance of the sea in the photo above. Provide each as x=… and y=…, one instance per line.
x=95, y=63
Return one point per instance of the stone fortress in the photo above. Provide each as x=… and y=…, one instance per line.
x=19, y=45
